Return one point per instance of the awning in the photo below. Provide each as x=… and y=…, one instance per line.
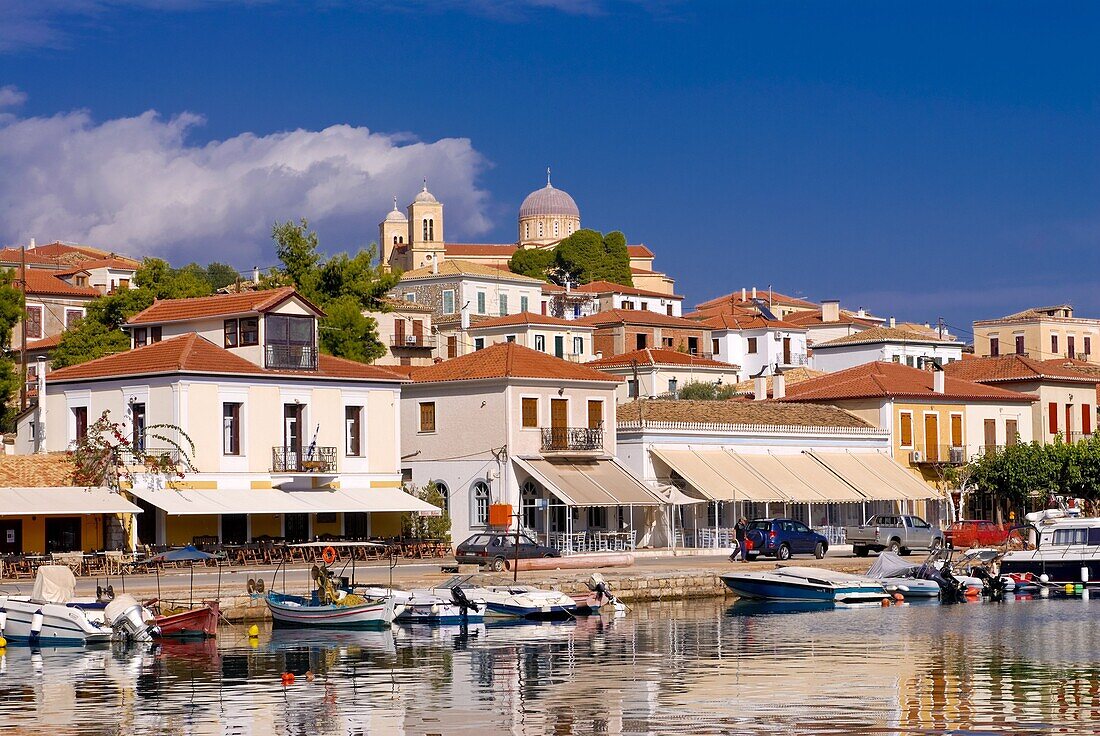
x=794, y=477
x=875, y=475
x=717, y=475
x=599, y=482
x=63, y=501
x=274, y=501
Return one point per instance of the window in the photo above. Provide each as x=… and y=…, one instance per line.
x=425, y=229
x=752, y=346
x=427, y=416
x=1052, y=417
x=595, y=414
x=481, y=302
x=479, y=343
x=353, y=421
x=627, y=304
x=480, y=497
x=1069, y=347
x=526, y=230
x=714, y=347
x=559, y=346
x=1019, y=344
x=540, y=229
x=1086, y=419
x=452, y=346
x=632, y=389
x=956, y=430
x=555, y=228
x=645, y=306
x=231, y=428
x=530, y=412
x=250, y=331
x=124, y=283
x=597, y=517
x=510, y=338
x=1054, y=344
x=641, y=341
x=73, y=317
x=503, y=300
x=906, y=429
x=34, y=322
x=693, y=346
x=1088, y=346
x=154, y=334
x=141, y=337
x=994, y=346
x=449, y=301
x=578, y=346
x=80, y=423
x=540, y=343
x=410, y=297
x=232, y=333
x=529, y=502
x=1065, y=537
x=1011, y=432
x=523, y=304
x=137, y=429
x=666, y=342
x=672, y=385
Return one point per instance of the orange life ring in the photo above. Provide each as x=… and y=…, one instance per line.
x=329, y=555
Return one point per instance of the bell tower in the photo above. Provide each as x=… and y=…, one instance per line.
x=425, y=223
x=393, y=235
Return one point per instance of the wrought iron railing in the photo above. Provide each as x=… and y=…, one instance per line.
x=141, y=456
x=1077, y=436
x=941, y=455
x=412, y=341
x=558, y=439
x=290, y=460
x=290, y=357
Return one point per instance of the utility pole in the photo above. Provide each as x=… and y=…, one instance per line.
x=940, y=325
x=23, y=330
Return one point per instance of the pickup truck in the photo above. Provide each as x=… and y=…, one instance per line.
x=899, y=534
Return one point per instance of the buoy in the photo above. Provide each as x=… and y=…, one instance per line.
x=3, y=642
x=899, y=597
x=288, y=678
x=253, y=631
x=329, y=555
x=1044, y=578
x=1069, y=588
x=885, y=602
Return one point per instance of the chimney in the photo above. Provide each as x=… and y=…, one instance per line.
x=465, y=316
x=255, y=274
x=760, y=388
x=744, y=294
x=862, y=312
x=32, y=244
x=893, y=322
x=435, y=265
x=779, y=386
x=937, y=377
x=754, y=292
x=830, y=310
x=40, y=412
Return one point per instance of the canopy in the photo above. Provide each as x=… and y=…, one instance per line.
x=600, y=482
x=275, y=501
x=875, y=475
x=183, y=554
x=718, y=476
x=63, y=501
x=801, y=478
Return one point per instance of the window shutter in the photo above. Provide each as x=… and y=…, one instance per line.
x=956, y=430
x=906, y=430
x=1086, y=419
x=1052, y=411
x=530, y=412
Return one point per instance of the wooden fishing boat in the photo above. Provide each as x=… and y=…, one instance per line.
x=349, y=612
x=196, y=622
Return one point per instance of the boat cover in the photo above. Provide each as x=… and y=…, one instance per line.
x=54, y=584
x=891, y=565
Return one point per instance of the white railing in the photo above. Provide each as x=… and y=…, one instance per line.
x=635, y=425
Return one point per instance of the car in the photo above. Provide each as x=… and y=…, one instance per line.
x=782, y=538
x=974, y=533
x=494, y=549
x=899, y=534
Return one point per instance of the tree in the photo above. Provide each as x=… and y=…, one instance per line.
x=11, y=311
x=296, y=246
x=534, y=262
x=587, y=256
x=348, y=333
x=215, y=274
x=428, y=527
x=705, y=391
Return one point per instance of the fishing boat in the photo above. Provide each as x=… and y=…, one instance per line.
x=1064, y=549
x=804, y=584
x=430, y=606
x=51, y=615
x=199, y=621
x=518, y=601
x=332, y=604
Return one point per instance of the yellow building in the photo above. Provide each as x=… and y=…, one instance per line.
x=1042, y=333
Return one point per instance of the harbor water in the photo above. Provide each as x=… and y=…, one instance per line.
x=699, y=667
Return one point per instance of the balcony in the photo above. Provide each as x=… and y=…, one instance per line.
x=147, y=455
x=572, y=439
x=794, y=360
x=290, y=357
x=289, y=460
x=939, y=455
x=412, y=341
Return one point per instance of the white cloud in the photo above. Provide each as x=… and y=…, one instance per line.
x=137, y=185
x=11, y=96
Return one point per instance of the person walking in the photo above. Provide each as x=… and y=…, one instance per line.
x=739, y=531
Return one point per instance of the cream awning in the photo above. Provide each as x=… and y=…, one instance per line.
x=63, y=501
x=274, y=501
x=799, y=478
x=717, y=475
x=875, y=475
x=599, y=482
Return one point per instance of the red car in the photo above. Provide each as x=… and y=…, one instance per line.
x=974, y=533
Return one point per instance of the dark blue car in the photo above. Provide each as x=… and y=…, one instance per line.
x=781, y=538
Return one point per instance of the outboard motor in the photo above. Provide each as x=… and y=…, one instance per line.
x=125, y=615
x=994, y=585
x=602, y=589
x=458, y=595
x=951, y=589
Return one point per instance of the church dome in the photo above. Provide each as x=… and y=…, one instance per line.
x=549, y=201
x=396, y=215
x=425, y=196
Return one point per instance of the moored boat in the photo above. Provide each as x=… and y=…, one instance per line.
x=804, y=584
x=518, y=601
x=196, y=622
x=430, y=606
x=1064, y=549
x=347, y=612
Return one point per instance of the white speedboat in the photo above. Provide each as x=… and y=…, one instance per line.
x=432, y=606
x=50, y=615
x=804, y=584
x=898, y=575
x=1064, y=549
x=518, y=601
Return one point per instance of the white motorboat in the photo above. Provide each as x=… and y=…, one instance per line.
x=899, y=575
x=804, y=584
x=51, y=615
x=1064, y=549
x=432, y=606
x=518, y=601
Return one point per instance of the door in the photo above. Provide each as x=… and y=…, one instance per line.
x=932, y=437
x=11, y=536
x=296, y=527
x=1011, y=431
x=234, y=528
x=559, y=423
x=1068, y=436
x=292, y=434
x=990, y=428
x=398, y=332
x=452, y=346
x=63, y=534
x=559, y=346
x=786, y=351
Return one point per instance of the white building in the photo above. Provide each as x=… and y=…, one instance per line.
x=755, y=343
x=663, y=372
x=886, y=344
x=565, y=339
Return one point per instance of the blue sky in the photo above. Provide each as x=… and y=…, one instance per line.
x=921, y=161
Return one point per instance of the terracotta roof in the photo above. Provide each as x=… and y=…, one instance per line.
x=639, y=251
x=607, y=287
x=1014, y=368
x=659, y=356
x=508, y=360
x=457, y=250
x=15, y=255
x=401, y=305
x=217, y=305
x=743, y=319
x=47, y=470
x=451, y=320
x=768, y=296
x=894, y=380
x=1034, y=313
x=812, y=318
x=548, y=288
x=767, y=413
x=41, y=281
x=193, y=354
x=884, y=334
x=45, y=343
x=529, y=318
x=791, y=376
x=110, y=262
x=1070, y=364
x=74, y=254
x=457, y=267
x=638, y=317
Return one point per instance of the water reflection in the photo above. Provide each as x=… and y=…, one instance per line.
x=684, y=668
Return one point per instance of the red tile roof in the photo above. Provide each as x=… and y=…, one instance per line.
x=884, y=334
x=744, y=319
x=457, y=250
x=638, y=317
x=15, y=255
x=529, y=318
x=1009, y=368
x=607, y=287
x=768, y=296
x=639, y=251
x=812, y=318
x=111, y=262
x=218, y=305
x=894, y=380
x=658, y=356
x=74, y=254
x=45, y=343
x=508, y=360
x=193, y=354
x=49, y=470
x=45, y=283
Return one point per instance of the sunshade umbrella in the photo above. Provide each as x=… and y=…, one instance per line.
x=191, y=554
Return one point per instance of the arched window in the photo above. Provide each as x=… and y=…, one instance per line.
x=529, y=502
x=400, y=239
x=570, y=228
x=540, y=228
x=431, y=229
x=426, y=229
x=555, y=228
x=479, y=497
x=446, y=494
x=526, y=230
x=395, y=240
